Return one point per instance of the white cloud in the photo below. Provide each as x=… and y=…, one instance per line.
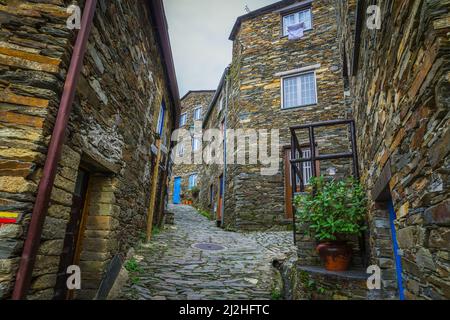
x=199, y=31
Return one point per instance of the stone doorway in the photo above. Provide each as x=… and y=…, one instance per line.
x=74, y=232
x=91, y=234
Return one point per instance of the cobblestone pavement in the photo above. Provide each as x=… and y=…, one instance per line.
x=172, y=268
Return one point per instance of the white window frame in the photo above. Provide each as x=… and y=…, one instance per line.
x=295, y=76
x=196, y=111
x=193, y=179
x=283, y=27
x=183, y=116
x=307, y=170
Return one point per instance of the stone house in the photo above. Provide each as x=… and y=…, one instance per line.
x=185, y=175
x=211, y=197
x=111, y=175
x=398, y=76
x=276, y=82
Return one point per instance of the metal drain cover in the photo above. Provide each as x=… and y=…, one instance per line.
x=209, y=246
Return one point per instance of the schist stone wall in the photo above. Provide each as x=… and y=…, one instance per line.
x=209, y=179
x=261, y=57
x=191, y=101
x=401, y=96
x=112, y=127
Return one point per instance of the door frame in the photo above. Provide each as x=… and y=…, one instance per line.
x=288, y=194
x=73, y=256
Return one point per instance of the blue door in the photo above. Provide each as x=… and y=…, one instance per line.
x=177, y=190
x=398, y=260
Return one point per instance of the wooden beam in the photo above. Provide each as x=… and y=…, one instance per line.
x=154, y=188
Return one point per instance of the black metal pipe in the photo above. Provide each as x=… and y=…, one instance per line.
x=354, y=150
x=294, y=186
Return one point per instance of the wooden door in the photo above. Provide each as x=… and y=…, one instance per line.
x=72, y=237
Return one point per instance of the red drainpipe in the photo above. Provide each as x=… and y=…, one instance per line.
x=33, y=239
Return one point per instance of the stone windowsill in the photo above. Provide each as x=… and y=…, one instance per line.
x=299, y=107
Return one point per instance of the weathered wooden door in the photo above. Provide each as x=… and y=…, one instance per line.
x=72, y=238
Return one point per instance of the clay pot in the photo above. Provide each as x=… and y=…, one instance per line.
x=335, y=255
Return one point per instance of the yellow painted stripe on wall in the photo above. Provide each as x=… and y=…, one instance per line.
x=8, y=215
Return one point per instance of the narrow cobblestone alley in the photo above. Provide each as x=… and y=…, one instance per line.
x=172, y=268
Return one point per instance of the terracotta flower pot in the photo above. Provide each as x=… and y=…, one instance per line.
x=335, y=255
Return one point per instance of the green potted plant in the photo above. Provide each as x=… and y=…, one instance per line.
x=335, y=210
x=195, y=192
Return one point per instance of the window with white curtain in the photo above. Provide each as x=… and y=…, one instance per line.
x=304, y=16
x=299, y=90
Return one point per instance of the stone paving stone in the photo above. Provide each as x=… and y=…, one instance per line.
x=172, y=269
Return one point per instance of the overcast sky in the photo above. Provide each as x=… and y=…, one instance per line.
x=199, y=31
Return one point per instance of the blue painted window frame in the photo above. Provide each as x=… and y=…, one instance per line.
x=161, y=118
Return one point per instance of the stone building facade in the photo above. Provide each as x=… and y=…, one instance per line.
x=276, y=83
x=211, y=197
x=186, y=173
x=106, y=169
x=398, y=76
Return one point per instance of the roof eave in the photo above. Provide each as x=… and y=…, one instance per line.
x=160, y=25
x=256, y=13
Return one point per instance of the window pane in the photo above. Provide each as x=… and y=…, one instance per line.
x=198, y=114
x=305, y=16
x=291, y=98
x=160, y=126
x=299, y=90
x=308, y=89
x=295, y=18
x=196, y=144
x=307, y=167
x=181, y=149
x=192, y=181
x=288, y=21
x=183, y=119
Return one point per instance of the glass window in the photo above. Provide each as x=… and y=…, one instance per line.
x=180, y=149
x=307, y=167
x=193, y=181
x=299, y=90
x=161, y=118
x=198, y=113
x=196, y=143
x=304, y=16
x=183, y=119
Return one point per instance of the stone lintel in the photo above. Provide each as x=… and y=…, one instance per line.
x=298, y=70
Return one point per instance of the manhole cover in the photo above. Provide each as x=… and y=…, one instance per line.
x=209, y=246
